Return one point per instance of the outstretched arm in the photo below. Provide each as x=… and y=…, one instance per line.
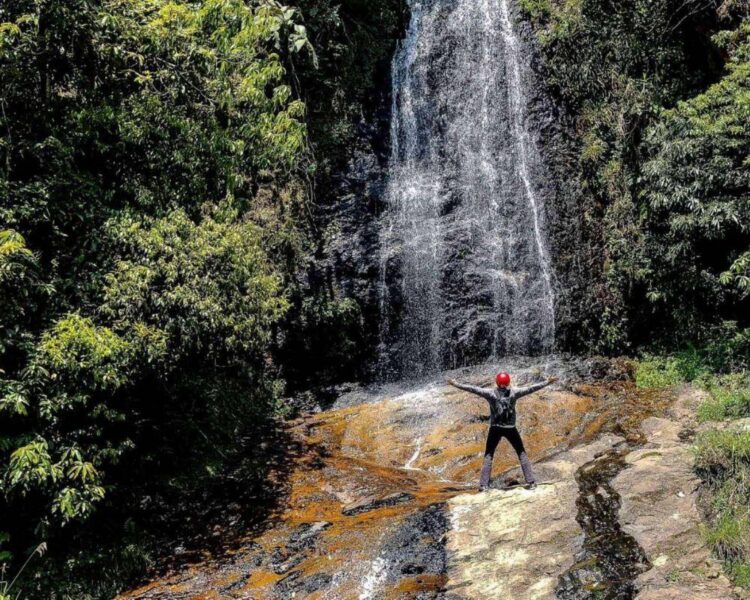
x=525, y=391
x=472, y=389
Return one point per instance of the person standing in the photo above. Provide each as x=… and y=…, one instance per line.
x=502, y=400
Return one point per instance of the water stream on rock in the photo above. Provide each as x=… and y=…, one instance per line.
x=465, y=273
x=610, y=559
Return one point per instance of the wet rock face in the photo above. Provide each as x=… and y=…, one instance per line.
x=412, y=562
x=574, y=215
x=352, y=247
x=348, y=263
x=381, y=504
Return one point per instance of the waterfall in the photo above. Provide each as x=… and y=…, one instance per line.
x=465, y=272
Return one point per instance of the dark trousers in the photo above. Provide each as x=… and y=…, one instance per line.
x=493, y=439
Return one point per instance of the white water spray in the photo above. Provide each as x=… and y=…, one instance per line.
x=465, y=273
x=374, y=579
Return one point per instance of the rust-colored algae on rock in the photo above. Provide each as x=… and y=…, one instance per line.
x=411, y=587
x=372, y=478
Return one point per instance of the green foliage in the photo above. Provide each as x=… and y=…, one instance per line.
x=624, y=51
x=727, y=348
x=661, y=157
x=723, y=460
x=694, y=190
x=152, y=155
x=731, y=538
x=5, y=555
x=729, y=398
x=191, y=307
x=20, y=293
x=738, y=274
x=154, y=167
x=720, y=364
x=196, y=96
x=741, y=575
x=218, y=62
x=150, y=105
x=355, y=41
x=82, y=355
x=94, y=569
x=724, y=451
x=15, y=257
x=659, y=372
x=193, y=290
x=537, y=10
x=73, y=483
x=720, y=369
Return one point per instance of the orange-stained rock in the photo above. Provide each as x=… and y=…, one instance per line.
x=426, y=443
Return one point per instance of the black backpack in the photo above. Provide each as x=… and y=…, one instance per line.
x=504, y=408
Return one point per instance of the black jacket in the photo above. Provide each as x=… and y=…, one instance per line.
x=502, y=405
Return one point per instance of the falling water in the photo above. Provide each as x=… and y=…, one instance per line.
x=464, y=266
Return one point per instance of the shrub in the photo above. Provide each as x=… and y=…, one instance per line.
x=723, y=451
x=731, y=538
x=729, y=397
x=657, y=372
x=723, y=461
x=189, y=310
x=741, y=575
x=664, y=371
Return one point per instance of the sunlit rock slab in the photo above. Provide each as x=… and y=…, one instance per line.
x=517, y=543
x=659, y=491
x=440, y=431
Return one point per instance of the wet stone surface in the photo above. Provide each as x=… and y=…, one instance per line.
x=610, y=560
x=363, y=515
x=414, y=555
x=374, y=503
x=295, y=585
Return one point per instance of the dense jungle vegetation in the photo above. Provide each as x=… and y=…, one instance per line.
x=658, y=99
x=656, y=95
x=161, y=166
x=156, y=165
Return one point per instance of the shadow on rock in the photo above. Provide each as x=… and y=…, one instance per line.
x=211, y=516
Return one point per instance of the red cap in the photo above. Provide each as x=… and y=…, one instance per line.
x=502, y=380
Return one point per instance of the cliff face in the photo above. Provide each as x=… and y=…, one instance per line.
x=349, y=105
x=443, y=278
x=574, y=220
x=351, y=249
